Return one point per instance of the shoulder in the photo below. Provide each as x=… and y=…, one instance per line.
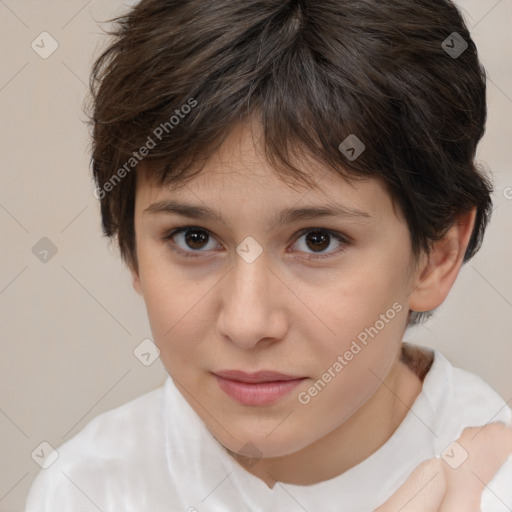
x=474, y=430
x=462, y=399
x=103, y=457
x=113, y=433
x=475, y=393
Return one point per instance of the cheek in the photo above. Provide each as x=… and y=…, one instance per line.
x=178, y=311
x=351, y=369
x=366, y=318
x=171, y=317
x=358, y=301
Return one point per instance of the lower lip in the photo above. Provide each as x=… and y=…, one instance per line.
x=261, y=393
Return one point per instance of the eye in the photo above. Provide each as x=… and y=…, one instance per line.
x=194, y=238
x=319, y=239
x=182, y=239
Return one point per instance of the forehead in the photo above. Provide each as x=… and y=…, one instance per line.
x=238, y=175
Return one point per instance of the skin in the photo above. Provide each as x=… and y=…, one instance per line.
x=435, y=486
x=286, y=313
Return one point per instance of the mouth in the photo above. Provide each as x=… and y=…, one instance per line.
x=260, y=388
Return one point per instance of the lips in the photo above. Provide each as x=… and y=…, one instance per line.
x=261, y=376
x=259, y=388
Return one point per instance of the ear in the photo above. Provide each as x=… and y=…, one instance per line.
x=438, y=270
x=136, y=280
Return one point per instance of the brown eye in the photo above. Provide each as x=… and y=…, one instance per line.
x=190, y=241
x=195, y=238
x=318, y=240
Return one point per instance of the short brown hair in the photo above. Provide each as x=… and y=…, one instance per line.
x=314, y=72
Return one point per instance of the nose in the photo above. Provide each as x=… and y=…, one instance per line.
x=252, y=304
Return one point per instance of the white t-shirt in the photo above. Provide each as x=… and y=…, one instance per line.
x=154, y=454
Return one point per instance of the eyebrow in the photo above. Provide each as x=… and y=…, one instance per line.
x=284, y=217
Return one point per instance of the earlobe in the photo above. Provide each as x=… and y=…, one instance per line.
x=136, y=284
x=438, y=270
x=136, y=281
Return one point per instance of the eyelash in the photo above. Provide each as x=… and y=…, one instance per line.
x=311, y=256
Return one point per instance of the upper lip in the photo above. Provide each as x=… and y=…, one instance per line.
x=261, y=376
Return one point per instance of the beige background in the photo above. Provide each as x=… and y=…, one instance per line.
x=69, y=326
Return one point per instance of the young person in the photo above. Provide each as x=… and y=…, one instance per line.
x=292, y=184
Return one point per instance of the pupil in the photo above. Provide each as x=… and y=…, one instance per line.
x=195, y=238
x=318, y=237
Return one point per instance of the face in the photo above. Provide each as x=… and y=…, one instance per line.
x=322, y=299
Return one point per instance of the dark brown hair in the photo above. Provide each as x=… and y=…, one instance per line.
x=314, y=72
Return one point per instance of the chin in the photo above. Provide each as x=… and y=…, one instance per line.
x=259, y=444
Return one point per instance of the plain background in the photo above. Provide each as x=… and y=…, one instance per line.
x=69, y=326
